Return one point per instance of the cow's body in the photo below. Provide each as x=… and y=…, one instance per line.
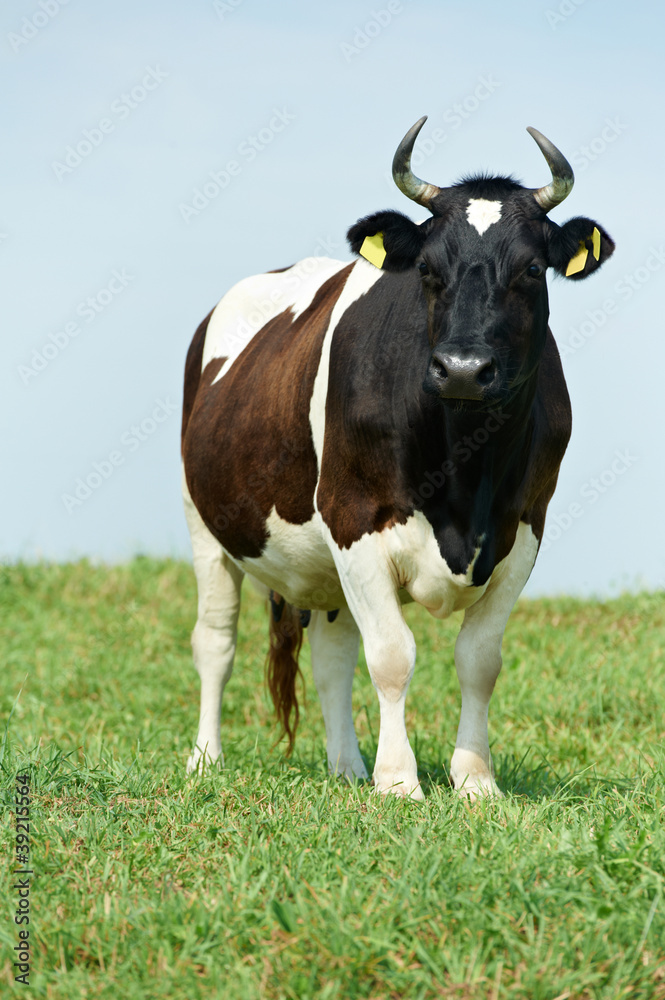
x=321, y=460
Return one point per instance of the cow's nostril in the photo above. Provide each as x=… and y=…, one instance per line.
x=439, y=368
x=487, y=373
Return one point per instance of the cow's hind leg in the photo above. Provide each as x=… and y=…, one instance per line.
x=334, y=657
x=478, y=662
x=214, y=636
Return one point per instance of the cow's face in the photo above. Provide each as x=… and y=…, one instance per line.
x=481, y=265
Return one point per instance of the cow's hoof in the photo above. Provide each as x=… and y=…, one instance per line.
x=406, y=788
x=477, y=788
x=472, y=775
x=353, y=770
x=199, y=763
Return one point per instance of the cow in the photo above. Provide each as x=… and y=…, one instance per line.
x=360, y=435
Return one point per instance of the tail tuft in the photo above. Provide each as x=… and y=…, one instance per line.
x=282, y=668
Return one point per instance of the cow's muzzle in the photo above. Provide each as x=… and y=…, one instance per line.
x=451, y=376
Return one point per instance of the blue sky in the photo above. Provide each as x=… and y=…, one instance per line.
x=116, y=114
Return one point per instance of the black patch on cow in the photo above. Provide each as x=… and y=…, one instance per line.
x=486, y=185
x=277, y=603
x=305, y=617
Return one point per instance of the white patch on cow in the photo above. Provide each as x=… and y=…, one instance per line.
x=482, y=213
x=254, y=301
x=362, y=278
x=478, y=662
x=301, y=562
x=424, y=573
x=296, y=562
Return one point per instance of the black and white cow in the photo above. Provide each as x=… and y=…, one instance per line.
x=358, y=436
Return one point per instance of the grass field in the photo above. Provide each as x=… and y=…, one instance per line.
x=271, y=880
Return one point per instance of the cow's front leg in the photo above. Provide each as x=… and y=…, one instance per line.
x=478, y=662
x=391, y=657
x=390, y=651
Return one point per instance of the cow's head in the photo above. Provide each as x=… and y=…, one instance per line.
x=481, y=261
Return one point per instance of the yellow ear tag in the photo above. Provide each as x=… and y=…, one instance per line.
x=373, y=250
x=577, y=262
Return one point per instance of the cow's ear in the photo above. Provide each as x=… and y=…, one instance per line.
x=389, y=240
x=578, y=248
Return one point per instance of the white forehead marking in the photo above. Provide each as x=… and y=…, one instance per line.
x=481, y=213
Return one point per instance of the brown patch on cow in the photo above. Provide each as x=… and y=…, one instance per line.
x=281, y=270
x=248, y=445
x=355, y=506
x=193, y=373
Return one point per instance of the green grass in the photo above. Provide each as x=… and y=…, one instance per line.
x=271, y=880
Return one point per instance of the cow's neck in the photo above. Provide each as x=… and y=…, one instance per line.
x=478, y=503
x=498, y=439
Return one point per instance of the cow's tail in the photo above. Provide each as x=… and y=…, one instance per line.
x=282, y=668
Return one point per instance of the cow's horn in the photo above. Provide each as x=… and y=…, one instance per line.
x=404, y=178
x=563, y=177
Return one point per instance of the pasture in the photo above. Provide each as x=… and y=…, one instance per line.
x=270, y=880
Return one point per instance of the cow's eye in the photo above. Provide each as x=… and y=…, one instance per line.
x=423, y=268
x=534, y=271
